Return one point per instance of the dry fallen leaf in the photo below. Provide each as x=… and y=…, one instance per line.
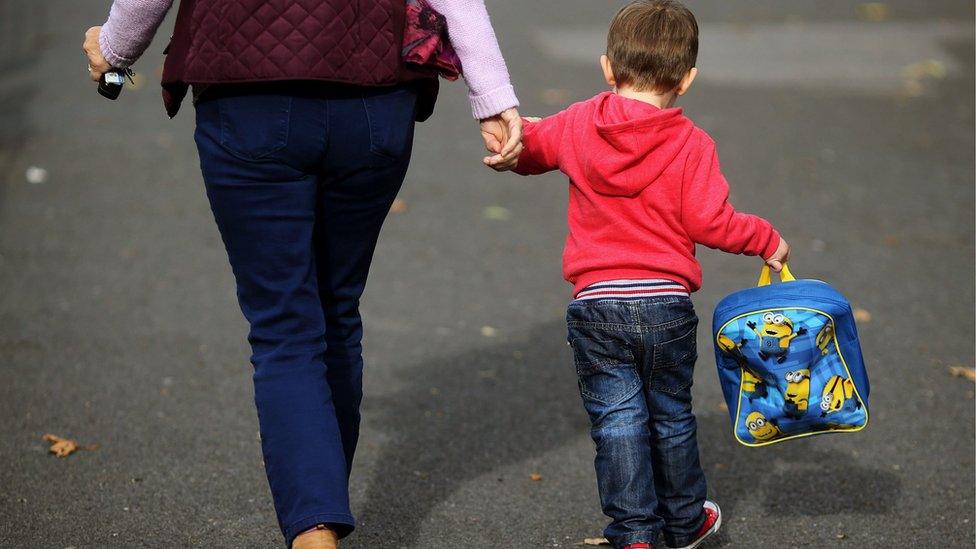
x=535, y=477
x=930, y=68
x=596, y=541
x=399, y=206
x=488, y=331
x=962, y=371
x=912, y=88
x=861, y=315
x=497, y=213
x=61, y=447
x=873, y=11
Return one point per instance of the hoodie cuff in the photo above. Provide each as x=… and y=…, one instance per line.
x=494, y=102
x=772, y=246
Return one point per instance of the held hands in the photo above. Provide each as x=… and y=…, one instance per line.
x=503, y=137
x=779, y=257
x=97, y=64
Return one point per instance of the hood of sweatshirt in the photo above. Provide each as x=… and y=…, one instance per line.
x=637, y=142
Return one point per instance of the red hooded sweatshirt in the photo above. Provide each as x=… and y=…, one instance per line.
x=645, y=187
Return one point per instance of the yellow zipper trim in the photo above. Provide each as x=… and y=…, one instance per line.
x=738, y=405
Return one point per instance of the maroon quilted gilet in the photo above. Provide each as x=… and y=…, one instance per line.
x=224, y=41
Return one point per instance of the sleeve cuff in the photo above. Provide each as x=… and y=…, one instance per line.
x=496, y=101
x=110, y=55
x=772, y=246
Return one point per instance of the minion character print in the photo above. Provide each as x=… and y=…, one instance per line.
x=760, y=428
x=775, y=336
x=797, y=394
x=825, y=336
x=753, y=385
x=836, y=393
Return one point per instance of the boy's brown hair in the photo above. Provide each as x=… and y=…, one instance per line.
x=652, y=44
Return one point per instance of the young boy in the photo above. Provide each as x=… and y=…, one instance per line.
x=645, y=188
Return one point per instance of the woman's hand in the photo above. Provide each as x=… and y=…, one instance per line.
x=97, y=64
x=503, y=137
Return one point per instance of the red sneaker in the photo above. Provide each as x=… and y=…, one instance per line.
x=713, y=521
x=639, y=545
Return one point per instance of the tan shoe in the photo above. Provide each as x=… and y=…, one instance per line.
x=322, y=537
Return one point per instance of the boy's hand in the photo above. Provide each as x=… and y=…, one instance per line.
x=780, y=256
x=503, y=137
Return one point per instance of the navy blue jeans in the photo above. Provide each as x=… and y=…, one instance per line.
x=300, y=178
x=635, y=360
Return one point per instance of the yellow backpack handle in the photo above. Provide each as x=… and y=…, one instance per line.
x=766, y=275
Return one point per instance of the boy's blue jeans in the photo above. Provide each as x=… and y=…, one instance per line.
x=300, y=178
x=635, y=359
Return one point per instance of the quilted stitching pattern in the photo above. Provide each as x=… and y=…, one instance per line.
x=245, y=40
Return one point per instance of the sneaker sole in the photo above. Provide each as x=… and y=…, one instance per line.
x=708, y=534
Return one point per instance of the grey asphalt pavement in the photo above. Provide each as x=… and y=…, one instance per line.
x=850, y=125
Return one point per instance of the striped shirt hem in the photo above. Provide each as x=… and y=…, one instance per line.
x=632, y=289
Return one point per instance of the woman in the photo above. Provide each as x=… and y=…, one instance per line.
x=305, y=117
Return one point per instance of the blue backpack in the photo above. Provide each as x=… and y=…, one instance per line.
x=789, y=361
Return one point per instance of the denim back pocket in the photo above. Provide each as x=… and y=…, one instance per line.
x=390, y=114
x=606, y=370
x=254, y=127
x=673, y=363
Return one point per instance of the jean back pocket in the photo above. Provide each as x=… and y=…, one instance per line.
x=254, y=127
x=673, y=363
x=390, y=116
x=606, y=370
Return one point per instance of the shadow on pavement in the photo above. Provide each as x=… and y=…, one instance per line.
x=809, y=477
x=460, y=417
x=823, y=486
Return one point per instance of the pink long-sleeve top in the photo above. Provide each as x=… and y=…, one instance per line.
x=132, y=24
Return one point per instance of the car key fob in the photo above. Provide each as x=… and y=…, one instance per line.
x=111, y=83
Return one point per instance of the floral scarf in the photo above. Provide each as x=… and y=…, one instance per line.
x=425, y=41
